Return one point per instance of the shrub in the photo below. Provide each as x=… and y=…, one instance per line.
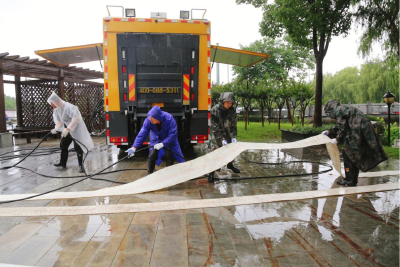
x=372, y=118
x=311, y=129
x=394, y=134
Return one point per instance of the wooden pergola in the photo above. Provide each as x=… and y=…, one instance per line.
x=42, y=71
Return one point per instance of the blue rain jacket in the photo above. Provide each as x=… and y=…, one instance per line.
x=168, y=135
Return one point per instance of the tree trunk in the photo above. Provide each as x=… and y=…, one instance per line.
x=318, y=93
x=279, y=119
x=293, y=114
x=269, y=116
x=289, y=113
x=247, y=118
x=262, y=117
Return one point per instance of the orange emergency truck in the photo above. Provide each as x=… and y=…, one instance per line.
x=155, y=61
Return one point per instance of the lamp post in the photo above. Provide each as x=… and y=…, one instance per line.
x=388, y=98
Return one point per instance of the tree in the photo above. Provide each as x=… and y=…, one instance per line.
x=9, y=102
x=285, y=59
x=345, y=85
x=263, y=94
x=310, y=24
x=216, y=91
x=246, y=95
x=380, y=19
x=305, y=95
x=281, y=94
x=369, y=83
x=294, y=97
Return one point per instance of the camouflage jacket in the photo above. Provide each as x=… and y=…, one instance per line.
x=223, y=122
x=356, y=131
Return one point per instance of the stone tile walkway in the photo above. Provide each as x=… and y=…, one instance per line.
x=355, y=230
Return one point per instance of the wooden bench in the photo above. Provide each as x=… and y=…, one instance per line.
x=28, y=135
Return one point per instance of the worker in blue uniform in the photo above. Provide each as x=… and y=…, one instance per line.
x=163, y=139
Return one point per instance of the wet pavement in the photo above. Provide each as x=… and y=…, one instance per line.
x=353, y=230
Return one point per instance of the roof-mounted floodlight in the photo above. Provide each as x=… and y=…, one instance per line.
x=130, y=12
x=184, y=14
x=205, y=10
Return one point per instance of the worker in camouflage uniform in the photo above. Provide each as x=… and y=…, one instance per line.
x=362, y=150
x=223, y=128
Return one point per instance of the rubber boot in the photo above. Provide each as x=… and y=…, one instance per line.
x=233, y=168
x=211, y=177
x=80, y=162
x=151, y=165
x=351, y=173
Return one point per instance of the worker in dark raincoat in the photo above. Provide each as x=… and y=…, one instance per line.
x=163, y=134
x=362, y=150
x=223, y=128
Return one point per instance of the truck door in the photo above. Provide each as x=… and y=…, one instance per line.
x=157, y=69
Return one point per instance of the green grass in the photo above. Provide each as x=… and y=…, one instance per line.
x=391, y=152
x=256, y=133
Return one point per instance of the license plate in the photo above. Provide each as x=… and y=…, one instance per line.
x=161, y=105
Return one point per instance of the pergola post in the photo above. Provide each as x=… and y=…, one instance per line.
x=18, y=100
x=3, y=126
x=61, y=84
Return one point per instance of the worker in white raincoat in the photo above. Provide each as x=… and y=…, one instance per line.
x=69, y=121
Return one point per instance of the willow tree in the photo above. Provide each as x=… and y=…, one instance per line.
x=380, y=21
x=308, y=23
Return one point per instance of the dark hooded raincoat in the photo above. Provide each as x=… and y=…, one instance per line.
x=223, y=122
x=356, y=131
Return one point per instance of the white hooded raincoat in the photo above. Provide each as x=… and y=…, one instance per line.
x=69, y=114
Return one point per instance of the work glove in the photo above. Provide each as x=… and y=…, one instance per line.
x=65, y=132
x=334, y=141
x=233, y=140
x=54, y=131
x=131, y=152
x=224, y=142
x=158, y=146
x=325, y=132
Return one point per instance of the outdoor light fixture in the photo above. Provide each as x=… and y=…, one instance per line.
x=184, y=14
x=130, y=13
x=388, y=98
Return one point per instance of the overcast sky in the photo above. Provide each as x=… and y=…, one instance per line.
x=29, y=25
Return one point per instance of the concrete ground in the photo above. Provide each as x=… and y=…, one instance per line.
x=355, y=230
